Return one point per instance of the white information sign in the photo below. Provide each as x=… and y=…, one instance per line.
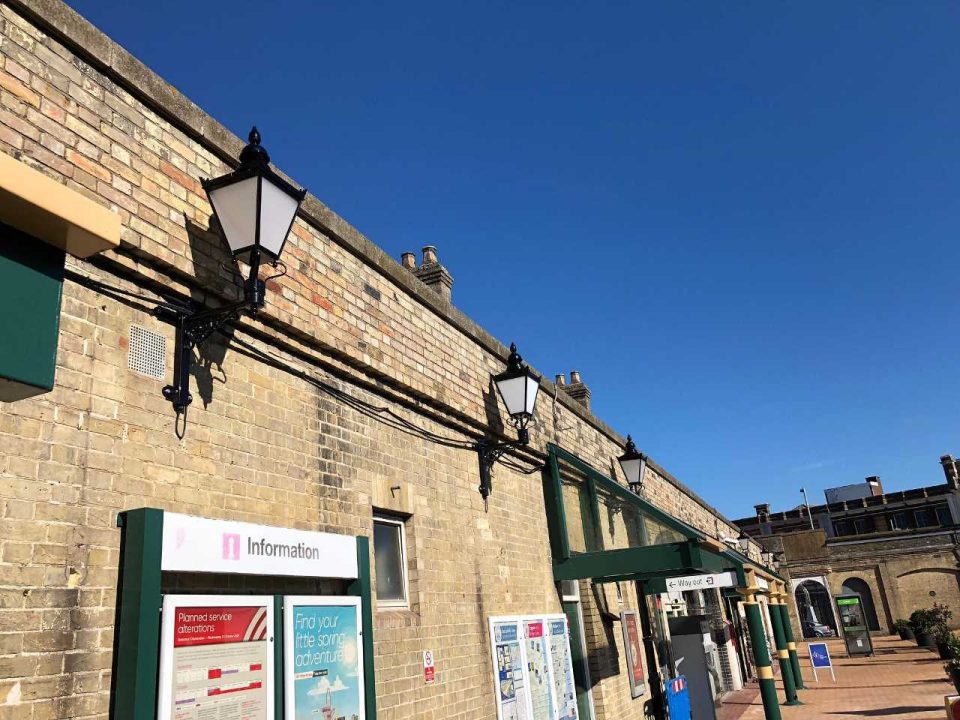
x=193, y=544
x=534, y=672
x=701, y=582
x=216, y=658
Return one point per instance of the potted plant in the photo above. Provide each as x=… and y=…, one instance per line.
x=944, y=646
x=903, y=629
x=940, y=616
x=952, y=666
x=923, y=623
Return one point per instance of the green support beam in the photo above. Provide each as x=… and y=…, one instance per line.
x=668, y=559
x=138, y=616
x=362, y=587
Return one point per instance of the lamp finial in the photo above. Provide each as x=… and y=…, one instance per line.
x=254, y=154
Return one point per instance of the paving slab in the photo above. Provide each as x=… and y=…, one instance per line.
x=900, y=682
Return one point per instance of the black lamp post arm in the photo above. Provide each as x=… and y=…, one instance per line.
x=489, y=452
x=193, y=329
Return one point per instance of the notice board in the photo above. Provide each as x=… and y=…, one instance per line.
x=533, y=669
x=323, y=658
x=216, y=658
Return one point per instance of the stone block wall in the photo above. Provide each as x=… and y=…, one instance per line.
x=263, y=443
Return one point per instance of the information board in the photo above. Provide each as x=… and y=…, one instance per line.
x=508, y=661
x=216, y=658
x=561, y=664
x=534, y=669
x=322, y=658
x=538, y=670
x=633, y=645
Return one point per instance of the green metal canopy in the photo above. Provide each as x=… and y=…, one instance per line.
x=600, y=530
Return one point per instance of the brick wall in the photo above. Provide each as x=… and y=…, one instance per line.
x=262, y=444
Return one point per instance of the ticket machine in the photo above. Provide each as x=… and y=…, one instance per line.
x=853, y=625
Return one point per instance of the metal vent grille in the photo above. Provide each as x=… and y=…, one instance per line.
x=147, y=353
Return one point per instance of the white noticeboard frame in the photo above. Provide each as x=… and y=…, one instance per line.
x=289, y=645
x=525, y=712
x=169, y=625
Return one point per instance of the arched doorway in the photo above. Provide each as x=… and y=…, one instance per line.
x=815, y=608
x=856, y=586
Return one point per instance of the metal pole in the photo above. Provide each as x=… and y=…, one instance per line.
x=806, y=503
x=761, y=656
x=783, y=654
x=791, y=645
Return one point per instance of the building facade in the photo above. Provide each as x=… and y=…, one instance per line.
x=900, y=551
x=350, y=405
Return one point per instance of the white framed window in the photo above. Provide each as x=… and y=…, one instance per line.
x=390, y=557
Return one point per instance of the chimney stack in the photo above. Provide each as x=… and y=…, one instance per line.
x=763, y=512
x=876, y=487
x=950, y=471
x=431, y=272
x=577, y=390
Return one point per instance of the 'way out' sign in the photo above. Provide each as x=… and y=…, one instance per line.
x=701, y=582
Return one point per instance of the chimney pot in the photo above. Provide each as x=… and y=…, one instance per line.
x=950, y=471
x=433, y=274
x=561, y=380
x=409, y=260
x=577, y=390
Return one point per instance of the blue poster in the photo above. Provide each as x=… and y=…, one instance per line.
x=819, y=655
x=327, y=678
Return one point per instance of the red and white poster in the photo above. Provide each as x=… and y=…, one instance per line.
x=633, y=645
x=216, y=658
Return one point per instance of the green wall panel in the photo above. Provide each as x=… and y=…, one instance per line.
x=31, y=284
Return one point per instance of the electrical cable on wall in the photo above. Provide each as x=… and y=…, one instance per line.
x=380, y=413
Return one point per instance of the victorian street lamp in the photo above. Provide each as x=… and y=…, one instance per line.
x=255, y=208
x=518, y=387
x=744, y=542
x=633, y=463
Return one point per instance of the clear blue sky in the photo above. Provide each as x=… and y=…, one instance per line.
x=740, y=221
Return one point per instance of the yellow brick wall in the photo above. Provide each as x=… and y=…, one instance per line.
x=262, y=445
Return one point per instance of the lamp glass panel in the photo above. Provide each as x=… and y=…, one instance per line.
x=514, y=393
x=631, y=469
x=277, y=209
x=236, y=208
x=533, y=387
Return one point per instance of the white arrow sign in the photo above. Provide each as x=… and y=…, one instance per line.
x=702, y=582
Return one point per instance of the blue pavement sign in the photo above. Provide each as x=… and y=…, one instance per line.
x=819, y=655
x=820, y=658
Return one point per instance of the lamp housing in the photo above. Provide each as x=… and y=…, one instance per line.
x=518, y=387
x=254, y=206
x=633, y=463
x=744, y=542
